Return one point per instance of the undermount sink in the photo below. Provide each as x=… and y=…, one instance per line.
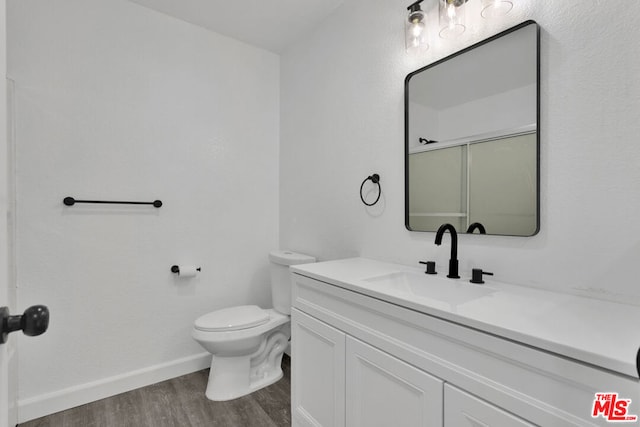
x=450, y=291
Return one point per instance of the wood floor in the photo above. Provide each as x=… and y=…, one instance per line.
x=180, y=402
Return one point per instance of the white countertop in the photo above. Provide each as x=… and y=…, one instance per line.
x=602, y=333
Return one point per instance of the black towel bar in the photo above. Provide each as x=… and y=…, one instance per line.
x=70, y=201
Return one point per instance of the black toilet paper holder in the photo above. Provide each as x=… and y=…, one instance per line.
x=176, y=269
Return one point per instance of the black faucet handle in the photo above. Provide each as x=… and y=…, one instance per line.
x=431, y=267
x=476, y=275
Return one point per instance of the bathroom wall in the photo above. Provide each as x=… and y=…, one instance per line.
x=117, y=102
x=342, y=119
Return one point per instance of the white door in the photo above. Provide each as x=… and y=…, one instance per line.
x=8, y=371
x=385, y=391
x=317, y=372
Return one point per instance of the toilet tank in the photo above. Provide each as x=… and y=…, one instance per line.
x=280, y=278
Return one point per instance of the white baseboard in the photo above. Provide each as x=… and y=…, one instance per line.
x=49, y=403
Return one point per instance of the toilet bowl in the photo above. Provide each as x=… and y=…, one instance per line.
x=247, y=342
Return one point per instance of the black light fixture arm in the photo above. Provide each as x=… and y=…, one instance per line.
x=414, y=6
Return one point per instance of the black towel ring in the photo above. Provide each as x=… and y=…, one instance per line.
x=375, y=178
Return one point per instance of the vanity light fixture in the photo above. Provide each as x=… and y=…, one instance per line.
x=416, y=31
x=452, y=18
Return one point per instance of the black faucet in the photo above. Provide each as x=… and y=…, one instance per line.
x=453, y=262
x=478, y=226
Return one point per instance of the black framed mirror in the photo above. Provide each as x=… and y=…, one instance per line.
x=472, y=140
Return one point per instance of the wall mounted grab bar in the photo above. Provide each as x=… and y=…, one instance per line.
x=70, y=201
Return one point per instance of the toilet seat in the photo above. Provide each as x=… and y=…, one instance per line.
x=232, y=319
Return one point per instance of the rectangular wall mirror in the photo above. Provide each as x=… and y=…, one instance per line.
x=471, y=138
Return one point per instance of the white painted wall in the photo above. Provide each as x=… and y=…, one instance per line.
x=342, y=119
x=115, y=101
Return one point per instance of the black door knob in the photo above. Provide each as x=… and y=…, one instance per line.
x=34, y=321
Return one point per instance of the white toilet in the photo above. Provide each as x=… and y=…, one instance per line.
x=247, y=342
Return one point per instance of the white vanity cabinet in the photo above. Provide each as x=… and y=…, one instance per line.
x=385, y=391
x=338, y=379
x=464, y=410
x=359, y=360
x=317, y=386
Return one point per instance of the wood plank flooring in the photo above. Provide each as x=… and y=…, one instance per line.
x=180, y=402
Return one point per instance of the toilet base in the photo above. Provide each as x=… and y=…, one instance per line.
x=237, y=376
x=229, y=379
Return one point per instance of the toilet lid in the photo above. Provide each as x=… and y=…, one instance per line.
x=232, y=319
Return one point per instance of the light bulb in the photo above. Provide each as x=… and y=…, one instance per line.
x=416, y=28
x=416, y=34
x=451, y=12
x=452, y=19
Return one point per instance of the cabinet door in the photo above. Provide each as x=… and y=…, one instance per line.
x=464, y=410
x=384, y=391
x=317, y=372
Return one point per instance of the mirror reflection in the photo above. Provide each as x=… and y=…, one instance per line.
x=471, y=138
